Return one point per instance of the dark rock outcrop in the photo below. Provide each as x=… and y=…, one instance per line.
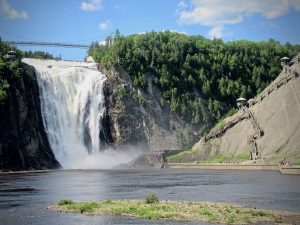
x=143, y=161
x=23, y=141
x=136, y=118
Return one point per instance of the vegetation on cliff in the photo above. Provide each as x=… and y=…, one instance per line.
x=23, y=141
x=38, y=55
x=171, y=210
x=9, y=71
x=189, y=69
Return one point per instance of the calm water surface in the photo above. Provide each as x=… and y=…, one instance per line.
x=24, y=197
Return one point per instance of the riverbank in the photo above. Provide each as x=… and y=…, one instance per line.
x=282, y=170
x=205, y=166
x=178, y=211
x=27, y=171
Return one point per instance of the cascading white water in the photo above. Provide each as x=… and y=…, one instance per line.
x=72, y=104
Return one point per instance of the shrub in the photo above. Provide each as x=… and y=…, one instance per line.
x=151, y=198
x=3, y=96
x=108, y=201
x=122, y=92
x=88, y=207
x=141, y=100
x=231, y=112
x=259, y=213
x=65, y=202
x=230, y=219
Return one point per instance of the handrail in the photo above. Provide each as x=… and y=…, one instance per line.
x=47, y=44
x=291, y=74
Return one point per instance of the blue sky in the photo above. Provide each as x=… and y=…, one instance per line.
x=84, y=21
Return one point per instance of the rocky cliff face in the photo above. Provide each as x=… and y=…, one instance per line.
x=136, y=118
x=23, y=141
x=268, y=129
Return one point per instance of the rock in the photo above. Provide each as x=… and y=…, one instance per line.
x=137, y=118
x=23, y=141
x=143, y=161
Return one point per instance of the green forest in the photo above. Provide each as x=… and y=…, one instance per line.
x=8, y=70
x=194, y=72
x=200, y=79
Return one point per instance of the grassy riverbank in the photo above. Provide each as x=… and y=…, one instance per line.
x=290, y=170
x=171, y=210
x=217, y=159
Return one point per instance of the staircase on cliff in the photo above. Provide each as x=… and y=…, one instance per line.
x=267, y=129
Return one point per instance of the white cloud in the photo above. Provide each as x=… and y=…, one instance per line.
x=219, y=13
x=105, y=25
x=92, y=5
x=295, y=4
x=176, y=31
x=172, y=31
x=7, y=12
x=216, y=31
x=182, y=5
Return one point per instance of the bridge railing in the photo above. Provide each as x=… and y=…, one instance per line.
x=47, y=44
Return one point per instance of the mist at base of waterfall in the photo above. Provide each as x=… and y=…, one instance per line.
x=72, y=106
x=107, y=159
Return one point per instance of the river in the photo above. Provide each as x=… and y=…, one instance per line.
x=24, y=197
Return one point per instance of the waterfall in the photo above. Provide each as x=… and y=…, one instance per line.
x=72, y=104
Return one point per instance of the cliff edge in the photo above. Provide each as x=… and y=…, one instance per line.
x=23, y=142
x=136, y=118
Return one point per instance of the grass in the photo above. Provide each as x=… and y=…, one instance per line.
x=244, y=157
x=171, y=210
x=216, y=159
x=223, y=158
x=65, y=202
x=221, y=122
x=82, y=207
x=296, y=163
x=180, y=155
x=219, y=159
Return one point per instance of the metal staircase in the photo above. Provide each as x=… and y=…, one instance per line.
x=259, y=132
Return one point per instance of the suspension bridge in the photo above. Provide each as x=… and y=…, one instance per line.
x=46, y=44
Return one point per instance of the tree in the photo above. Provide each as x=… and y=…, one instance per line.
x=196, y=67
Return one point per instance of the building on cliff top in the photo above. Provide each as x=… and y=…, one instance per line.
x=10, y=56
x=241, y=102
x=285, y=61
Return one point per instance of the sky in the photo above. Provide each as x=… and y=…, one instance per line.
x=84, y=21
